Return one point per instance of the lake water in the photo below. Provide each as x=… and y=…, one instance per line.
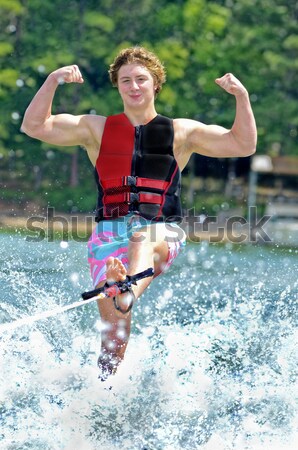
x=211, y=364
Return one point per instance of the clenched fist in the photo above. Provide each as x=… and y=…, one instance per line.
x=231, y=84
x=68, y=74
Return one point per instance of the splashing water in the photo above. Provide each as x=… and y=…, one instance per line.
x=211, y=363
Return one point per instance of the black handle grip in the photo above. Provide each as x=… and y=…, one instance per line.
x=89, y=294
x=139, y=276
x=130, y=279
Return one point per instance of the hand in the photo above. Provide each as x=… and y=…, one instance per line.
x=231, y=84
x=68, y=74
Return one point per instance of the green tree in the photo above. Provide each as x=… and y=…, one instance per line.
x=198, y=40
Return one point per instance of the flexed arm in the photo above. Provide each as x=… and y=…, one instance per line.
x=243, y=130
x=218, y=141
x=61, y=129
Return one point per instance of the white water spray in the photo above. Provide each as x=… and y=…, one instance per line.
x=10, y=326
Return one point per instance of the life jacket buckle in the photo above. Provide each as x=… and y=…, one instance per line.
x=130, y=181
x=133, y=197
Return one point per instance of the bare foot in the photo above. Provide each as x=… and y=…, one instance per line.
x=107, y=363
x=117, y=272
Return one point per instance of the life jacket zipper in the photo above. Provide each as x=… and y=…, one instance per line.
x=136, y=150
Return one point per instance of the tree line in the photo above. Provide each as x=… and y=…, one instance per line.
x=198, y=41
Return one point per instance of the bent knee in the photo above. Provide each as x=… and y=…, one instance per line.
x=141, y=238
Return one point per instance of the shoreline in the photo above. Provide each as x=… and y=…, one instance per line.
x=62, y=224
x=79, y=227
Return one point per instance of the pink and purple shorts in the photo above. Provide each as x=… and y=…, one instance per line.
x=111, y=238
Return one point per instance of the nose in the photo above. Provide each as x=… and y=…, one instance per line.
x=134, y=84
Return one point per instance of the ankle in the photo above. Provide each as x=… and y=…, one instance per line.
x=107, y=364
x=124, y=302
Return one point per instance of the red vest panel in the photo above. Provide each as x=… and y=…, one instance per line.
x=136, y=171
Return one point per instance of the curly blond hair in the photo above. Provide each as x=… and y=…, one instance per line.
x=141, y=56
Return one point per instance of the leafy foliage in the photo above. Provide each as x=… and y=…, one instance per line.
x=198, y=40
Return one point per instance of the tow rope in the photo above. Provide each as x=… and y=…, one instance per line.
x=106, y=291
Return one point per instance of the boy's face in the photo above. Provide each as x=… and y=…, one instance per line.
x=136, y=85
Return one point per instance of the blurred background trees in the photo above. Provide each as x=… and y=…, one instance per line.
x=198, y=41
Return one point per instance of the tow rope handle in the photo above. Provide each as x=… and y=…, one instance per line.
x=118, y=287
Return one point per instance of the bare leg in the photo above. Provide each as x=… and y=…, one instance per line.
x=144, y=250
x=116, y=329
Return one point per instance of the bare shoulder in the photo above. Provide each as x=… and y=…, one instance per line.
x=183, y=129
x=95, y=125
x=186, y=126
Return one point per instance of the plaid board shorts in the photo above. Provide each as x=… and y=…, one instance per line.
x=111, y=238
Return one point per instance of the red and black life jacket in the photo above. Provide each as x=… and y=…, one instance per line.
x=136, y=171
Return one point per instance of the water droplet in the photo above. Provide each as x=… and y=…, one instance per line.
x=15, y=115
x=74, y=277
